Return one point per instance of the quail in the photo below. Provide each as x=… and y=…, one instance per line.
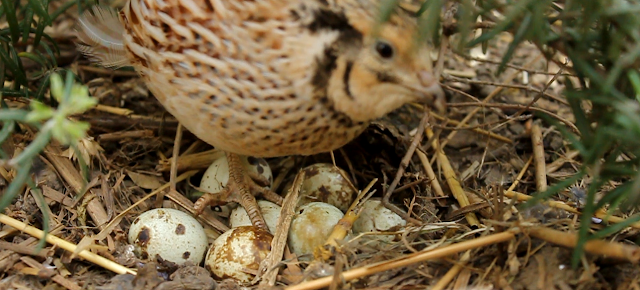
x=266, y=78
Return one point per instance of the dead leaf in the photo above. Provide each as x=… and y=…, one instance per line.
x=145, y=181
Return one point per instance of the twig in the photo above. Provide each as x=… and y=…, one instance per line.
x=474, y=129
x=174, y=165
x=74, y=179
x=518, y=107
x=55, y=277
x=448, y=277
x=494, y=93
x=556, y=164
x=541, y=92
x=89, y=256
x=113, y=110
x=269, y=265
x=538, y=158
x=435, y=183
x=409, y=259
x=403, y=165
x=344, y=225
x=25, y=250
x=198, y=160
x=561, y=205
x=117, y=136
x=598, y=247
x=180, y=200
x=452, y=180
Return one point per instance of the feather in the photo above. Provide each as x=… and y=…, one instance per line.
x=101, y=35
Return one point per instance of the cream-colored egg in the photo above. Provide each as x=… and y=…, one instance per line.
x=217, y=175
x=171, y=234
x=270, y=211
x=311, y=226
x=324, y=183
x=375, y=217
x=237, y=249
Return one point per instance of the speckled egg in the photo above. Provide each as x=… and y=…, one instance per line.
x=171, y=234
x=325, y=183
x=237, y=249
x=311, y=226
x=375, y=217
x=217, y=175
x=270, y=211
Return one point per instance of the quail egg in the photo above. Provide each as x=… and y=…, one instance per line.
x=217, y=175
x=375, y=217
x=170, y=234
x=237, y=249
x=270, y=211
x=311, y=226
x=324, y=183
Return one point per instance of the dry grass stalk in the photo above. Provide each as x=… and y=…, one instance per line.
x=341, y=229
x=521, y=197
x=493, y=94
x=120, y=135
x=598, y=247
x=435, y=184
x=453, y=272
x=89, y=256
x=113, y=110
x=538, y=157
x=55, y=277
x=561, y=205
x=269, y=265
x=477, y=130
x=199, y=160
x=70, y=174
x=408, y=260
x=452, y=180
x=556, y=164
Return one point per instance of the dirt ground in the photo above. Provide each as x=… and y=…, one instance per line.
x=131, y=145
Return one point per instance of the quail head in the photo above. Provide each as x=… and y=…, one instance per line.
x=266, y=78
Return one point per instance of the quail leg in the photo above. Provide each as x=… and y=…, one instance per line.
x=241, y=188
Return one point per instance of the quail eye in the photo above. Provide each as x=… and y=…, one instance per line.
x=384, y=49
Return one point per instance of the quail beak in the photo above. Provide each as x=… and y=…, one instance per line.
x=431, y=92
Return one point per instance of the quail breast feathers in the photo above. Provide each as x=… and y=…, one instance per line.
x=267, y=78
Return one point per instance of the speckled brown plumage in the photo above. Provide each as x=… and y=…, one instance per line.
x=268, y=78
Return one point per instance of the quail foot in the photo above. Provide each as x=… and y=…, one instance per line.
x=266, y=78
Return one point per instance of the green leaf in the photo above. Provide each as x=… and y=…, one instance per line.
x=7, y=129
x=33, y=149
x=69, y=132
x=11, y=64
x=26, y=24
x=39, y=112
x=40, y=10
x=16, y=184
x=429, y=23
x=13, y=115
x=52, y=57
x=509, y=20
x=12, y=19
x=42, y=88
x=520, y=36
x=537, y=198
x=57, y=89
x=617, y=227
x=63, y=8
x=38, y=59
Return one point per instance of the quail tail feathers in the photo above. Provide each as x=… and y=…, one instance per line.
x=100, y=32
